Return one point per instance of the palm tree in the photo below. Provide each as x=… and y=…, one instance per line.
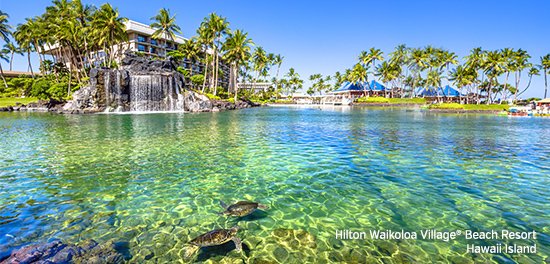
x=545, y=64
x=218, y=27
x=237, y=51
x=508, y=66
x=4, y=57
x=12, y=50
x=463, y=76
x=5, y=28
x=165, y=25
x=358, y=74
x=190, y=50
x=205, y=38
x=24, y=36
x=493, y=68
x=521, y=62
x=294, y=81
x=388, y=72
x=433, y=80
x=278, y=60
x=532, y=72
x=260, y=60
x=109, y=28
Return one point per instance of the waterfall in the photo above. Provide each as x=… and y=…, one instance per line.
x=154, y=92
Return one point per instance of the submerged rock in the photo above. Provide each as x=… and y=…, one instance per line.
x=58, y=252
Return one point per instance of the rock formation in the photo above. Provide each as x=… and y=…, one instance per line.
x=140, y=85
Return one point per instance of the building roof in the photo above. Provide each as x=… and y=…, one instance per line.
x=544, y=101
x=134, y=26
x=376, y=86
x=447, y=91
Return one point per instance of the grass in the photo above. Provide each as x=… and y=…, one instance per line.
x=11, y=101
x=384, y=100
x=469, y=107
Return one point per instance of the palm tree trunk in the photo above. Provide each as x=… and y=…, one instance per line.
x=518, y=77
x=545, y=83
x=29, y=60
x=11, y=60
x=205, y=72
x=3, y=78
x=506, y=86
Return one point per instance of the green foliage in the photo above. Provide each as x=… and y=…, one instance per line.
x=231, y=100
x=40, y=88
x=197, y=79
x=384, y=100
x=469, y=107
x=20, y=86
x=212, y=97
x=183, y=71
x=12, y=101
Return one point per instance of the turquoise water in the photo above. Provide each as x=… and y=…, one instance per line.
x=155, y=181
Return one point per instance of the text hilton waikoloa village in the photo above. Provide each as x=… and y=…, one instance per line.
x=431, y=234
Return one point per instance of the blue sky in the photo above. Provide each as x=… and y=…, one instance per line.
x=326, y=36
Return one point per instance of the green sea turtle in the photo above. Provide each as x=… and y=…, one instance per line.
x=241, y=208
x=213, y=238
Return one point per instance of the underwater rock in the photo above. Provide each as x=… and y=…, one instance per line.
x=59, y=252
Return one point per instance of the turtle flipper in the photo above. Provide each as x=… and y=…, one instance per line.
x=190, y=251
x=222, y=204
x=263, y=206
x=238, y=243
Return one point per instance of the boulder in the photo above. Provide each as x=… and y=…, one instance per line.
x=58, y=252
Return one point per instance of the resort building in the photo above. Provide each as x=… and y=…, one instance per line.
x=255, y=87
x=140, y=40
x=447, y=94
x=356, y=90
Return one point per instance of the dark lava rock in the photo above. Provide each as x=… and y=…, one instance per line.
x=58, y=252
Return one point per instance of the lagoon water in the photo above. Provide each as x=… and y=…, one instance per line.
x=155, y=181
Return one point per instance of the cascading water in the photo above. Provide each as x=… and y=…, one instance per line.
x=143, y=93
x=154, y=93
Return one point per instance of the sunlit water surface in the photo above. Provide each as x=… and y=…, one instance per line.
x=155, y=181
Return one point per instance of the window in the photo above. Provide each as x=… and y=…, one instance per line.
x=152, y=50
x=154, y=42
x=141, y=47
x=141, y=38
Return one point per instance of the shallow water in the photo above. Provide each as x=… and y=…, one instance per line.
x=155, y=181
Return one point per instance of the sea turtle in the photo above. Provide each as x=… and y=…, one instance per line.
x=213, y=238
x=241, y=208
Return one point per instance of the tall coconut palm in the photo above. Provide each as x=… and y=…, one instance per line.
x=109, y=28
x=508, y=66
x=165, y=25
x=237, y=50
x=521, y=62
x=388, y=72
x=190, y=50
x=5, y=28
x=433, y=80
x=493, y=68
x=218, y=27
x=532, y=72
x=13, y=49
x=205, y=38
x=24, y=36
x=260, y=60
x=358, y=74
x=475, y=61
x=545, y=65
x=278, y=60
x=463, y=77
x=294, y=81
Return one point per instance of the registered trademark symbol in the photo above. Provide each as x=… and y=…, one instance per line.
x=458, y=232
